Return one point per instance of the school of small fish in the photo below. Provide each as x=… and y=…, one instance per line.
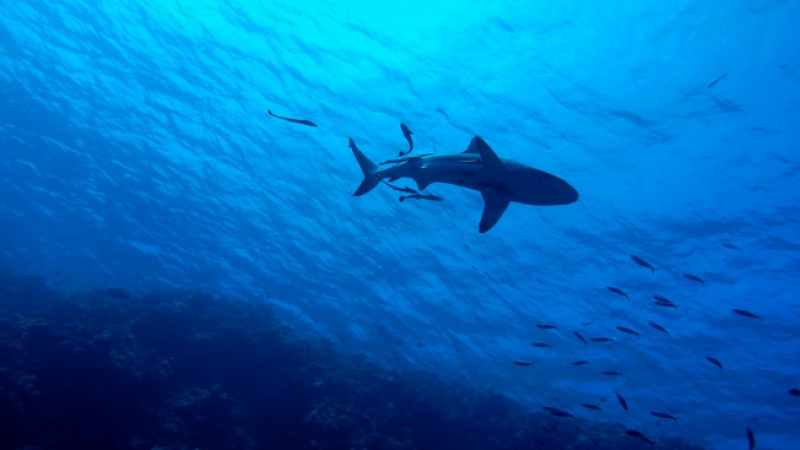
x=660, y=301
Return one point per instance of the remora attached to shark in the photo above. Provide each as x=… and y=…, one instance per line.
x=500, y=181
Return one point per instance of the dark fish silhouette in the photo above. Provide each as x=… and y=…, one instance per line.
x=601, y=339
x=547, y=327
x=617, y=291
x=590, y=406
x=300, y=121
x=435, y=198
x=658, y=298
x=580, y=363
x=622, y=401
x=628, y=330
x=578, y=335
x=407, y=133
x=406, y=159
x=540, y=345
x=643, y=263
x=751, y=438
x=662, y=415
x=715, y=81
x=638, y=435
x=523, y=363
x=407, y=190
x=731, y=246
x=658, y=327
x=561, y=414
x=795, y=392
x=715, y=362
x=550, y=408
x=667, y=304
x=613, y=373
x=746, y=313
x=694, y=278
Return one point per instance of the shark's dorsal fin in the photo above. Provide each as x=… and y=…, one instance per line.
x=491, y=161
x=495, y=204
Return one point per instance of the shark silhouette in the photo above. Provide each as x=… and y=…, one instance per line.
x=500, y=181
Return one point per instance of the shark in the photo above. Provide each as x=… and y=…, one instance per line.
x=499, y=181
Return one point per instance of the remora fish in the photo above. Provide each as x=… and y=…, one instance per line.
x=523, y=363
x=422, y=197
x=547, y=327
x=407, y=134
x=579, y=336
x=658, y=327
x=643, y=263
x=407, y=190
x=300, y=121
x=731, y=246
x=500, y=181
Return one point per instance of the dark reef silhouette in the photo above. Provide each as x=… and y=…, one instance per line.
x=186, y=370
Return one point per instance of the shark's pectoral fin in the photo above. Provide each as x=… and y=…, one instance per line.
x=495, y=204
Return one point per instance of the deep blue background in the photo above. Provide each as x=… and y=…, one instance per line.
x=137, y=152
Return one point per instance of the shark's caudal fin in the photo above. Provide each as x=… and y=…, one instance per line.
x=368, y=167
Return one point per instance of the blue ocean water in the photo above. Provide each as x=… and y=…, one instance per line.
x=137, y=152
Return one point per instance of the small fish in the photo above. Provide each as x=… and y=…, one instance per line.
x=407, y=190
x=612, y=373
x=617, y=291
x=550, y=408
x=658, y=327
x=622, y=401
x=601, y=339
x=561, y=414
x=407, y=134
x=540, y=345
x=638, y=435
x=523, y=363
x=694, y=278
x=795, y=392
x=578, y=335
x=590, y=406
x=731, y=246
x=746, y=313
x=667, y=304
x=580, y=363
x=715, y=81
x=628, y=330
x=751, y=438
x=643, y=263
x=663, y=415
x=715, y=362
x=300, y=121
x=422, y=197
x=547, y=327
x=658, y=298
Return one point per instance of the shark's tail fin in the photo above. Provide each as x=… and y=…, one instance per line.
x=369, y=168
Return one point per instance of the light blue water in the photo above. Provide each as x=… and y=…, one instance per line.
x=137, y=152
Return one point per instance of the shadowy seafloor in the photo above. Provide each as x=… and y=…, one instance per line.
x=187, y=370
